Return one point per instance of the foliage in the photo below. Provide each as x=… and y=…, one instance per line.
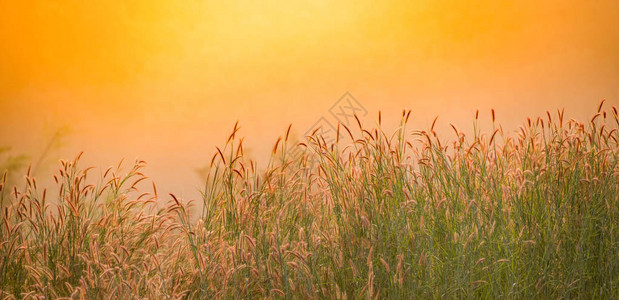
x=490, y=215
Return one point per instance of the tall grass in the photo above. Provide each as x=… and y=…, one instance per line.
x=488, y=215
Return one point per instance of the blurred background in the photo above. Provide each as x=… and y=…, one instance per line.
x=165, y=81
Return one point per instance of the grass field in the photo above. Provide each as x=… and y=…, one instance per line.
x=527, y=214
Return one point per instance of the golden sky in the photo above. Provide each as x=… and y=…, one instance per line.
x=165, y=81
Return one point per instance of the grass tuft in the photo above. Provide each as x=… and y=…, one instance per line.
x=402, y=215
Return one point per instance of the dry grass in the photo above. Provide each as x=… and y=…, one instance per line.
x=489, y=215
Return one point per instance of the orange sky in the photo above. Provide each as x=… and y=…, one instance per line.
x=165, y=81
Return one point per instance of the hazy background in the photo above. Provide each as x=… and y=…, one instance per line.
x=165, y=81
